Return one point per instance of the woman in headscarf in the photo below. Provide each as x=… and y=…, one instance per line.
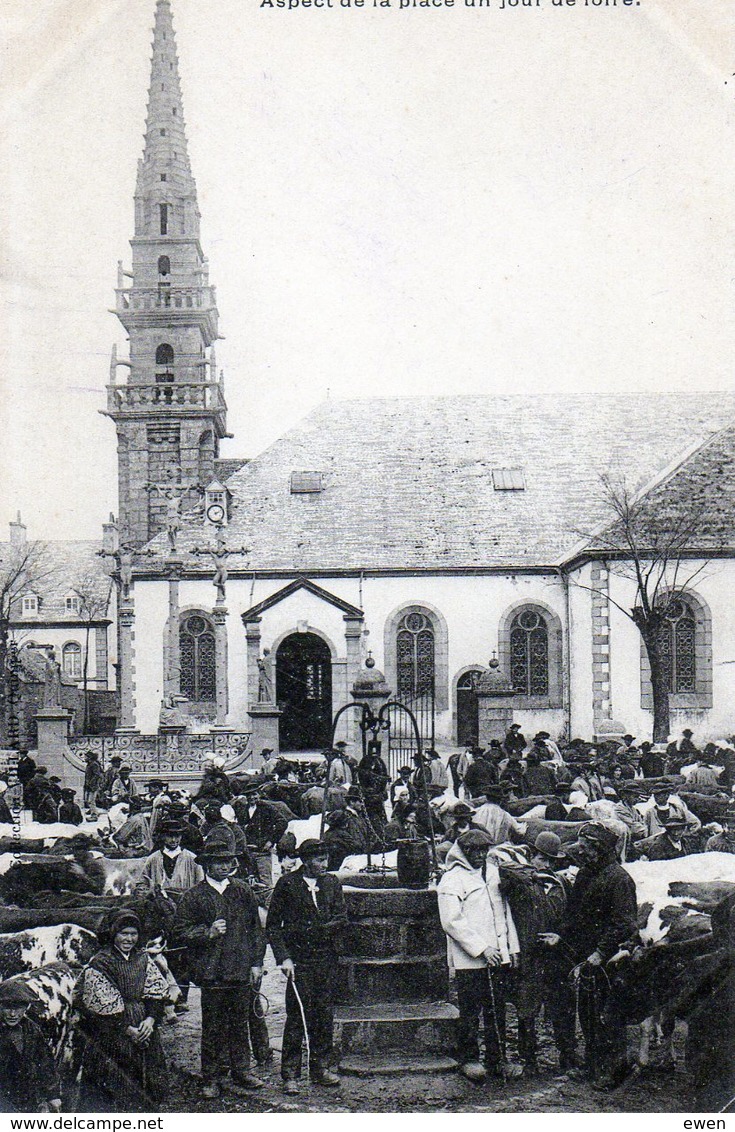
x=122, y=995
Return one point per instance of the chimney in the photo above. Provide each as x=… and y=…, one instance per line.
x=109, y=535
x=18, y=532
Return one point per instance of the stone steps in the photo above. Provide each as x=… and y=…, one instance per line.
x=394, y=1066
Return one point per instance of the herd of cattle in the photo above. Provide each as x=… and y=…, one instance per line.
x=48, y=933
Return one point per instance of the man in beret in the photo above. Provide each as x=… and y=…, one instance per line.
x=28, y=1078
x=601, y=915
x=218, y=921
x=305, y=919
x=537, y=897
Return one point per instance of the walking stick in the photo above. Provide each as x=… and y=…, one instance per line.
x=294, y=988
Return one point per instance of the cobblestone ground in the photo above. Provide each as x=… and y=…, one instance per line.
x=649, y=1091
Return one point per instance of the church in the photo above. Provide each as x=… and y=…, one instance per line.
x=439, y=537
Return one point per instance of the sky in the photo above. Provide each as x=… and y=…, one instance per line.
x=394, y=202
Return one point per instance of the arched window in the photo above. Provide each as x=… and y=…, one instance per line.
x=685, y=647
x=198, y=671
x=677, y=646
x=415, y=656
x=71, y=660
x=165, y=355
x=164, y=265
x=165, y=359
x=529, y=654
x=530, y=651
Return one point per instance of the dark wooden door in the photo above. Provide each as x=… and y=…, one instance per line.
x=467, y=713
x=304, y=692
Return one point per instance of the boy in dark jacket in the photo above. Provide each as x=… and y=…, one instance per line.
x=306, y=915
x=218, y=920
x=28, y=1078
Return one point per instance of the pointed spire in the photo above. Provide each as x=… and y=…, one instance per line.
x=164, y=173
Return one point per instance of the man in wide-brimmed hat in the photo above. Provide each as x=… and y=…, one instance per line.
x=263, y=825
x=218, y=921
x=601, y=915
x=28, y=1078
x=171, y=868
x=724, y=841
x=666, y=846
x=306, y=916
x=462, y=819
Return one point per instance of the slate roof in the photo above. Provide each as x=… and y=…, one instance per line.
x=224, y=468
x=65, y=564
x=693, y=505
x=408, y=483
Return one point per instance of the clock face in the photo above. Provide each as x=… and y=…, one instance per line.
x=215, y=513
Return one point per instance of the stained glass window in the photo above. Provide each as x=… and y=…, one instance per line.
x=677, y=646
x=415, y=656
x=198, y=671
x=529, y=654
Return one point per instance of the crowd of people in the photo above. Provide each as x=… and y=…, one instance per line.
x=533, y=921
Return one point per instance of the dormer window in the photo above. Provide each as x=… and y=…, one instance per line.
x=509, y=479
x=29, y=604
x=306, y=483
x=72, y=603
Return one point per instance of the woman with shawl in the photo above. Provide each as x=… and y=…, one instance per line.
x=122, y=995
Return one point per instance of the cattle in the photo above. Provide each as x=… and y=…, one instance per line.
x=306, y=828
x=37, y=947
x=88, y=915
x=120, y=876
x=674, y=901
x=54, y=987
x=38, y=831
x=20, y=879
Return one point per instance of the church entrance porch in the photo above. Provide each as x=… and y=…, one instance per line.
x=304, y=692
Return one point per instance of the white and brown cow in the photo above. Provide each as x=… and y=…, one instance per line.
x=37, y=947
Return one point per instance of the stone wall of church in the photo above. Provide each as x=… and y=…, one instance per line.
x=470, y=615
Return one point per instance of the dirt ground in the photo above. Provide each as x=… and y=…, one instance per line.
x=647, y=1091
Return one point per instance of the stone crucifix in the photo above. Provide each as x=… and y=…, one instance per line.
x=173, y=493
x=219, y=555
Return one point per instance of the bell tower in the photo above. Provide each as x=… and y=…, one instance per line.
x=169, y=410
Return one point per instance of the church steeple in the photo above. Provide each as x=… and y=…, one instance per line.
x=164, y=173
x=171, y=413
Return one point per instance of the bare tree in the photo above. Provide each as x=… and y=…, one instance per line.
x=94, y=599
x=656, y=540
x=24, y=567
